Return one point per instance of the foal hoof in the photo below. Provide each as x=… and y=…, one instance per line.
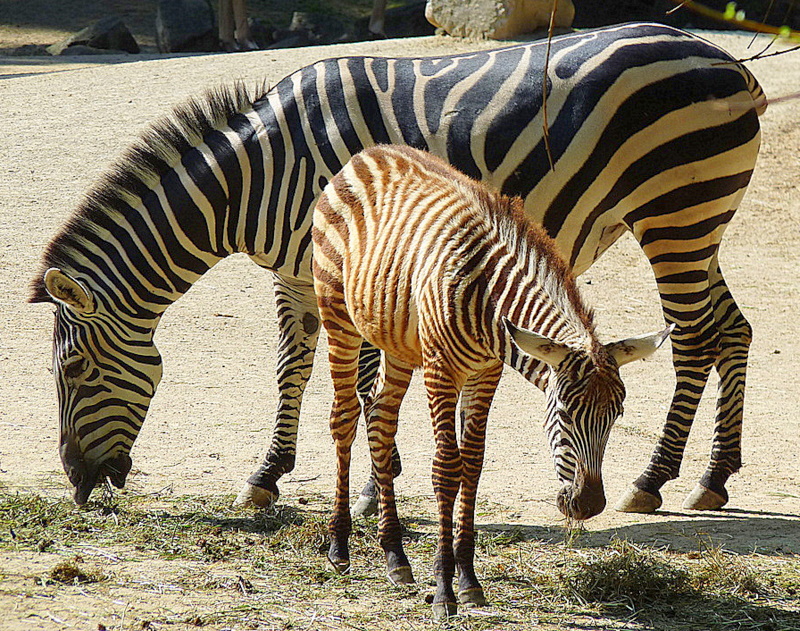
x=401, y=576
x=342, y=566
x=443, y=611
x=473, y=596
x=702, y=498
x=255, y=496
x=365, y=506
x=637, y=501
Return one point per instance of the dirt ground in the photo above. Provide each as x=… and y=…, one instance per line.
x=210, y=423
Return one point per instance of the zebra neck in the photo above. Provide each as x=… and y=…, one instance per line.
x=532, y=295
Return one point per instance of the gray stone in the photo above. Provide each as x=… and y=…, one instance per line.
x=109, y=33
x=30, y=50
x=407, y=20
x=496, y=19
x=184, y=26
x=81, y=49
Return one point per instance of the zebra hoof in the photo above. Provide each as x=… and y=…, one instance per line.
x=443, y=611
x=365, y=506
x=473, y=596
x=702, y=498
x=637, y=501
x=401, y=576
x=255, y=496
x=342, y=566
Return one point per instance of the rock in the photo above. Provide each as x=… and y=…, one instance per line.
x=289, y=39
x=496, y=19
x=81, y=49
x=30, y=50
x=186, y=26
x=404, y=21
x=261, y=33
x=109, y=33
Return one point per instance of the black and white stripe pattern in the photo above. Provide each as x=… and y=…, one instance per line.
x=651, y=130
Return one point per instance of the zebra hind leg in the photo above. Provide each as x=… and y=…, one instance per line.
x=344, y=343
x=298, y=325
x=694, y=352
x=731, y=365
x=368, y=362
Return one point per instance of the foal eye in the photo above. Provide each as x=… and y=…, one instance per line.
x=74, y=368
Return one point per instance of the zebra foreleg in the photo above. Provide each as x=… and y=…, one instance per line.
x=731, y=365
x=368, y=363
x=298, y=326
x=476, y=399
x=447, y=475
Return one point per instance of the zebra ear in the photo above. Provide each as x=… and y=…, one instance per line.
x=626, y=351
x=538, y=346
x=66, y=290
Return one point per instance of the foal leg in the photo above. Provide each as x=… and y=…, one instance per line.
x=381, y=411
x=447, y=472
x=344, y=343
x=368, y=363
x=735, y=335
x=476, y=399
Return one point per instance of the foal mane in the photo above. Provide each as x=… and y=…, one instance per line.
x=157, y=150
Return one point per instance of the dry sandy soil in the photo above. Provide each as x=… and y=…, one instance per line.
x=210, y=422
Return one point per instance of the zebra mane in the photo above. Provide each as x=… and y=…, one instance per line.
x=157, y=150
x=525, y=237
x=521, y=235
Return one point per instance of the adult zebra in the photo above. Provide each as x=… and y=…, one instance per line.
x=650, y=129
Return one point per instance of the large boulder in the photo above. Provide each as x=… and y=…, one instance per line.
x=186, y=26
x=496, y=19
x=108, y=34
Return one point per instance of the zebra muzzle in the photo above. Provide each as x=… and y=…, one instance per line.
x=85, y=475
x=582, y=499
x=81, y=475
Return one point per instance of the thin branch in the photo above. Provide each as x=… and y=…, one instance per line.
x=545, y=72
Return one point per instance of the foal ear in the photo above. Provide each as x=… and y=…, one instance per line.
x=538, y=346
x=68, y=291
x=626, y=351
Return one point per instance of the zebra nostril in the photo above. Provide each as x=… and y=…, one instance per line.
x=72, y=460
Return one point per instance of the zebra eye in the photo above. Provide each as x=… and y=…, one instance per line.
x=75, y=367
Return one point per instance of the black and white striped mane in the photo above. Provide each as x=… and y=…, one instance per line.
x=157, y=150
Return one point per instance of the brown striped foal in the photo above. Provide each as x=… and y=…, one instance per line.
x=440, y=272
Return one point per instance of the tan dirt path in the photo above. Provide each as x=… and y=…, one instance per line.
x=210, y=422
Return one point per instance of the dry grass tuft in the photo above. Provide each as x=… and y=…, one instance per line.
x=625, y=574
x=725, y=573
x=71, y=573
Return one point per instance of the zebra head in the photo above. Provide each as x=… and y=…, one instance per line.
x=584, y=398
x=106, y=373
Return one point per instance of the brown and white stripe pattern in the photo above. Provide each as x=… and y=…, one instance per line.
x=442, y=273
